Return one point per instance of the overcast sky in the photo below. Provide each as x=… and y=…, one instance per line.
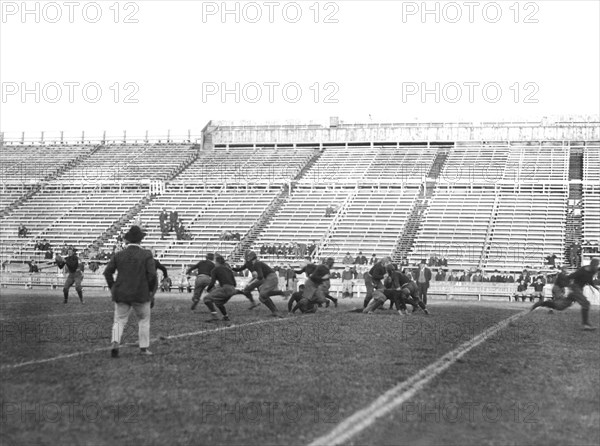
x=158, y=65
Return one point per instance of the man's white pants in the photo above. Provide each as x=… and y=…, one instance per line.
x=142, y=311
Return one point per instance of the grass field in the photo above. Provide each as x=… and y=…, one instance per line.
x=290, y=381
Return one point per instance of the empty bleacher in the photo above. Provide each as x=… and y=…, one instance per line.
x=474, y=163
x=129, y=163
x=30, y=164
x=372, y=222
x=455, y=225
x=302, y=218
x=366, y=164
x=246, y=164
x=528, y=225
x=537, y=162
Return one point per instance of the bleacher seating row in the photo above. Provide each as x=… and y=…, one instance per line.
x=373, y=188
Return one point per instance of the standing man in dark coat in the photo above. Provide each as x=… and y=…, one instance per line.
x=423, y=277
x=134, y=288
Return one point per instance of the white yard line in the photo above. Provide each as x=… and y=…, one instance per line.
x=37, y=316
x=177, y=336
x=390, y=400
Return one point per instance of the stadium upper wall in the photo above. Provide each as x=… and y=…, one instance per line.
x=228, y=133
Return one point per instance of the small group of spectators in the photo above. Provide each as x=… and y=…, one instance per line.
x=434, y=260
x=575, y=254
x=360, y=259
x=22, y=231
x=170, y=222
x=291, y=250
x=45, y=246
x=330, y=210
x=229, y=236
x=535, y=281
x=42, y=245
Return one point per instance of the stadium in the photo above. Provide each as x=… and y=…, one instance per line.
x=478, y=203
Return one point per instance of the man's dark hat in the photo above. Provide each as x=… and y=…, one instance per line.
x=134, y=235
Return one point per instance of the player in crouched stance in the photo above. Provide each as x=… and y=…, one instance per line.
x=316, y=286
x=266, y=281
x=74, y=274
x=301, y=304
x=400, y=290
x=578, y=280
x=218, y=297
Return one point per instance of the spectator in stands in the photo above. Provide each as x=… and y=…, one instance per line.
x=551, y=260
x=184, y=283
x=574, y=254
x=49, y=255
x=281, y=276
x=538, y=284
x=524, y=276
x=452, y=277
x=444, y=261
x=373, y=260
x=509, y=278
x=173, y=218
x=23, y=231
x=522, y=286
x=496, y=277
x=477, y=277
x=347, y=282
x=360, y=259
x=291, y=280
x=163, y=217
x=348, y=259
x=33, y=266
x=312, y=248
x=441, y=275
x=464, y=277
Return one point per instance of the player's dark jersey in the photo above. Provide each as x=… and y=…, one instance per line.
x=399, y=279
x=204, y=267
x=562, y=280
x=320, y=274
x=72, y=263
x=583, y=276
x=223, y=275
x=308, y=269
x=160, y=266
x=392, y=294
x=378, y=271
x=262, y=269
x=296, y=297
